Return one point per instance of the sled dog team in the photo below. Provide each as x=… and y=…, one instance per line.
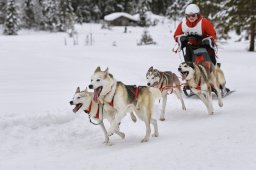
x=112, y=99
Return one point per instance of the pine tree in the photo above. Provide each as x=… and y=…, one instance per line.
x=11, y=19
x=50, y=15
x=143, y=7
x=238, y=16
x=208, y=8
x=2, y=11
x=124, y=6
x=67, y=16
x=28, y=18
x=175, y=11
x=160, y=6
x=82, y=10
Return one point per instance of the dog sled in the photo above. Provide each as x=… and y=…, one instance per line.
x=199, y=53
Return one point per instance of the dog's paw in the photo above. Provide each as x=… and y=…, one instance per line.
x=220, y=104
x=108, y=143
x=155, y=135
x=211, y=113
x=184, y=108
x=162, y=119
x=144, y=140
x=122, y=135
x=110, y=133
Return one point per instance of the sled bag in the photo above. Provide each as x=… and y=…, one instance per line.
x=200, y=54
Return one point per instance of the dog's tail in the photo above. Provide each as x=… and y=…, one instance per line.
x=156, y=93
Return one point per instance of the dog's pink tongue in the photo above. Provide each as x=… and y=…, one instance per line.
x=96, y=94
x=183, y=77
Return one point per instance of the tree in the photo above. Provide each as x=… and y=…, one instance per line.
x=175, y=11
x=66, y=15
x=127, y=6
x=143, y=7
x=50, y=13
x=238, y=16
x=2, y=11
x=11, y=19
x=28, y=15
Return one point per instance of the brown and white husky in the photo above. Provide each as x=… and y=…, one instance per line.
x=125, y=99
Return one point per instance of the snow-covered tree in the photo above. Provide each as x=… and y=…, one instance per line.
x=208, y=8
x=50, y=12
x=2, y=11
x=28, y=15
x=175, y=11
x=238, y=16
x=66, y=15
x=146, y=39
x=128, y=6
x=160, y=6
x=11, y=19
x=143, y=7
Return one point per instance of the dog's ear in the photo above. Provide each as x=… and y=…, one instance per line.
x=151, y=68
x=106, y=71
x=77, y=89
x=97, y=69
x=193, y=65
x=190, y=64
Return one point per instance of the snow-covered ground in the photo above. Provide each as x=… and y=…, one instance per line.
x=38, y=130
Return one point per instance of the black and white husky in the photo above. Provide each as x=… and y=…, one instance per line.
x=125, y=99
x=167, y=82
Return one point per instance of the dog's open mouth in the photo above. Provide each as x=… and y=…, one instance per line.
x=97, y=93
x=77, y=107
x=184, y=74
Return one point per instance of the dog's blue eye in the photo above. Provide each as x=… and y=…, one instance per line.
x=98, y=79
x=79, y=97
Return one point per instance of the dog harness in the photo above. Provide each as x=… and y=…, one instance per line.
x=133, y=92
x=88, y=111
x=207, y=65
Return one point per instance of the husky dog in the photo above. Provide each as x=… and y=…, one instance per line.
x=83, y=100
x=125, y=99
x=163, y=80
x=201, y=78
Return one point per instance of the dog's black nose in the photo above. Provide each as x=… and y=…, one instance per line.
x=148, y=84
x=90, y=86
x=71, y=102
x=179, y=69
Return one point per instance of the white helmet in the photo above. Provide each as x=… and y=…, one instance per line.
x=192, y=9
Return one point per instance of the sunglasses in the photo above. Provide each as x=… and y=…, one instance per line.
x=192, y=15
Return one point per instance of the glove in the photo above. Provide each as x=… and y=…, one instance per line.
x=181, y=38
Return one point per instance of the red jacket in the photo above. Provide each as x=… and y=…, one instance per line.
x=207, y=28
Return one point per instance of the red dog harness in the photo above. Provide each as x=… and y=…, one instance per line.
x=88, y=111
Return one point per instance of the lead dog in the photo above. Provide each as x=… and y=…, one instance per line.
x=83, y=101
x=200, y=78
x=125, y=99
x=163, y=80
